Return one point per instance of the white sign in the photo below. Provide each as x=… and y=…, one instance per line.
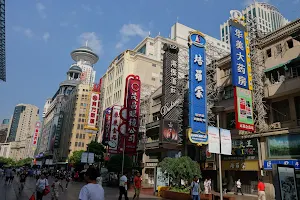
x=162, y=179
x=168, y=107
x=225, y=142
x=213, y=140
x=114, y=133
x=87, y=157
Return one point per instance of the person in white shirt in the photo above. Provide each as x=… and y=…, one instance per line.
x=123, y=187
x=239, y=187
x=92, y=190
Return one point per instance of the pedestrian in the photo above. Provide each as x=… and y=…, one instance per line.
x=76, y=176
x=12, y=176
x=41, y=185
x=137, y=184
x=206, y=186
x=123, y=187
x=23, y=177
x=7, y=175
x=195, y=189
x=239, y=187
x=55, y=189
x=68, y=179
x=92, y=190
x=261, y=190
x=209, y=185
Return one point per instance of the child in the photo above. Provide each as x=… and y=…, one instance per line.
x=55, y=187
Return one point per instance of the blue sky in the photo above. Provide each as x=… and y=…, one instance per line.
x=41, y=34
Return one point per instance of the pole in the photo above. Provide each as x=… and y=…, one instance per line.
x=220, y=164
x=123, y=156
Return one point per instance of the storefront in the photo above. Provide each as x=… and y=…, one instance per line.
x=242, y=164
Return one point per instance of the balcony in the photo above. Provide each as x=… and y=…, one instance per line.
x=152, y=125
x=150, y=144
x=282, y=88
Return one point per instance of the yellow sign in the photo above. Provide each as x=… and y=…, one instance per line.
x=240, y=165
x=197, y=138
x=248, y=60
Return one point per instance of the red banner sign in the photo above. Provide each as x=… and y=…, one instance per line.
x=36, y=133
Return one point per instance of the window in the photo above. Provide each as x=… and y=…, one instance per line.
x=83, y=136
x=290, y=43
x=77, y=135
x=230, y=120
x=278, y=48
x=78, y=126
x=227, y=72
x=156, y=116
x=76, y=143
x=269, y=53
x=151, y=43
x=281, y=111
x=80, y=136
x=82, y=144
x=81, y=126
x=153, y=65
x=228, y=92
x=153, y=79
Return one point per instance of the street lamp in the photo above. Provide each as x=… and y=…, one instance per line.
x=217, y=110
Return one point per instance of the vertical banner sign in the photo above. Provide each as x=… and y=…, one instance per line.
x=114, y=133
x=226, y=146
x=133, y=113
x=197, y=89
x=248, y=61
x=213, y=140
x=106, y=126
x=238, y=55
x=243, y=109
x=171, y=99
x=36, y=132
x=58, y=129
x=93, y=111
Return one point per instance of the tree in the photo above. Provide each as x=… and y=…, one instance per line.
x=182, y=168
x=98, y=149
x=7, y=161
x=115, y=163
x=76, y=157
x=26, y=161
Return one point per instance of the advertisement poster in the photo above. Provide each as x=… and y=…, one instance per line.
x=162, y=179
x=244, y=109
x=36, y=133
x=169, y=131
x=93, y=111
x=287, y=183
x=106, y=126
x=243, y=149
x=197, y=87
x=284, y=146
x=225, y=142
x=114, y=133
x=213, y=140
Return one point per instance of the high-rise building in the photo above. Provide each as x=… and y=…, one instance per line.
x=21, y=131
x=266, y=17
x=4, y=130
x=2, y=41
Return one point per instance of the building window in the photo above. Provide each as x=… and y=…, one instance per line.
x=151, y=43
x=227, y=72
x=82, y=144
x=142, y=50
x=281, y=111
x=76, y=144
x=77, y=135
x=290, y=43
x=269, y=53
x=83, y=136
x=78, y=126
x=153, y=79
x=80, y=136
x=228, y=92
x=153, y=65
x=279, y=49
x=230, y=120
x=156, y=116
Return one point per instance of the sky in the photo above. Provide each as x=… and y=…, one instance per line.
x=40, y=34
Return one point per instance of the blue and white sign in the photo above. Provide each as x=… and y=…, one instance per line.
x=197, y=88
x=238, y=56
x=268, y=163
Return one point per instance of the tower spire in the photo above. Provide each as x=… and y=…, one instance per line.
x=86, y=43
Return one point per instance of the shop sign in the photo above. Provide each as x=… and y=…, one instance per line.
x=36, y=133
x=247, y=165
x=93, y=111
x=269, y=163
x=151, y=164
x=114, y=133
x=245, y=149
x=169, y=131
x=284, y=146
x=58, y=130
x=106, y=126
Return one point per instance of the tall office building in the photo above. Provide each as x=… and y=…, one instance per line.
x=4, y=130
x=266, y=17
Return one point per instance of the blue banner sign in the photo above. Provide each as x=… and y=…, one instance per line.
x=197, y=88
x=268, y=163
x=238, y=56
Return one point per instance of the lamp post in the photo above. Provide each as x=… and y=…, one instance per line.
x=217, y=110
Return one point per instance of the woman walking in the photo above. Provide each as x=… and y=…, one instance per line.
x=41, y=185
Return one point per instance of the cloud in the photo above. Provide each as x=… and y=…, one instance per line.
x=86, y=7
x=26, y=31
x=73, y=12
x=92, y=41
x=41, y=9
x=128, y=31
x=63, y=24
x=46, y=36
x=296, y=1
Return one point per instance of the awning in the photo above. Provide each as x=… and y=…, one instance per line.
x=283, y=64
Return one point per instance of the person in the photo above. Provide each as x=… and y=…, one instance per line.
x=224, y=184
x=12, y=176
x=195, y=189
x=23, y=177
x=261, y=190
x=68, y=179
x=76, y=176
x=206, y=186
x=41, y=185
x=239, y=187
x=137, y=184
x=7, y=175
x=55, y=189
x=209, y=185
x=92, y=190
x=123, y=187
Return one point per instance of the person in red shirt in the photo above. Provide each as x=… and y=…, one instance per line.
x=137, y=184
x=261, y=190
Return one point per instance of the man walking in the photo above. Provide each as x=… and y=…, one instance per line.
x=137, y=184
x=195, y=189
x=261, y=190
x=123, y=187
x=239, y=187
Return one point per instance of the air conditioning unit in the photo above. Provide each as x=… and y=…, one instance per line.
x=275, y=125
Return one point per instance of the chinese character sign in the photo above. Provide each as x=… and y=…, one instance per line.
x=133, y=112
x=114, y=133
x=248, y=60
x=93, y=111
x=238, y=56
x=36, y=133
x=197, y=88
x=106, y=126
x=243, y=109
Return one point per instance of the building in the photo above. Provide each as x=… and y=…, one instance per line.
x=5, y=150
x=21, y=131
x=279, y=53
x=266, y=18
x=4, y=130
x=2, y=41
x=52, y=113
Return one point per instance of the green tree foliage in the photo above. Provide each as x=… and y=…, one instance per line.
x=115, y=163
x=98, y=149
x=7, y=161
x=13, y=163
x=26, y=161
x=76, y=157
x=182, y=168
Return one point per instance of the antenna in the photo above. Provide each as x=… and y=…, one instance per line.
x=86, y=43
x=149, y=33
x=177, y=20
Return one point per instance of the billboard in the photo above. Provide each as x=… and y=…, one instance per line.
x=106, y=126
x=169, y=131
x=114, y=133
x=171, y=98
x=240, y=56
x=92, y=116
x=243, y=109
x=58, y=129
x=36, y=133
x=197, y=89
